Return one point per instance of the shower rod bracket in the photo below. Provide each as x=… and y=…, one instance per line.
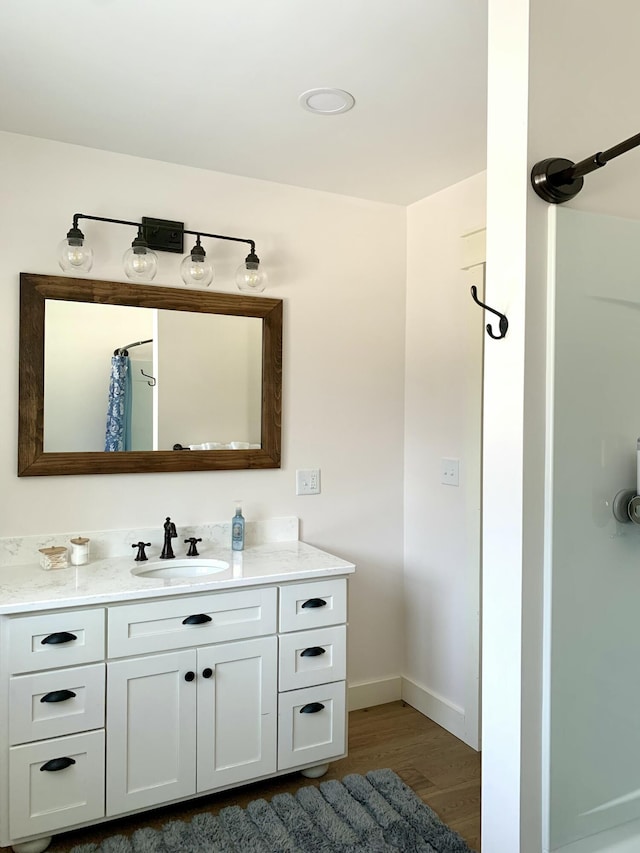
x=549, y=180
x=556, y=179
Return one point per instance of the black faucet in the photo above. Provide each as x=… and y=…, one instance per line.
x=170, y=533
x=193, y=551
x=141, y=556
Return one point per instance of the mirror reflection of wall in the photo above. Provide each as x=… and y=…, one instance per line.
x=78, y=345
x=209, y=379
x=208, y=372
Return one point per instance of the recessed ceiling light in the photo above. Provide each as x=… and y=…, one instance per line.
x=326, y=101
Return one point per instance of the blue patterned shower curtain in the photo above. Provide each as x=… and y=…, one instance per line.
x=118, y=433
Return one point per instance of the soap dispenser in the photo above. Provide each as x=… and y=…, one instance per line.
x=237, y=529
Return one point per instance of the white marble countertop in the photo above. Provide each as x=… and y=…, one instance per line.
x=29, y=588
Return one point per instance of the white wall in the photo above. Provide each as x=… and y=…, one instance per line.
x=443, y=419
x=561, y=78
x=343, y=361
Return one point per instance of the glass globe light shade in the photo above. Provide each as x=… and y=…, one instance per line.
x=73, y=253
x=195, y=268
x=249, y=277
x=140, y=263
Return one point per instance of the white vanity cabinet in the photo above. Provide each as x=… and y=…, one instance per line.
x=312, y=689
x=138, y=703
x=190, y=721
x=54, y=684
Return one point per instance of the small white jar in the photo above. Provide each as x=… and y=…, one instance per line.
x=79, y=551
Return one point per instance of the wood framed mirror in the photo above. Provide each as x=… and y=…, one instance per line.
x=71, y=328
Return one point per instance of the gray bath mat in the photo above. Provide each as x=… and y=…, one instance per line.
x=376, y=813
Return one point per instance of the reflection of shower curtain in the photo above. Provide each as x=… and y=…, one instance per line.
x=118, y=433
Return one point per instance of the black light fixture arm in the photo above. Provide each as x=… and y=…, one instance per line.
x=168, y=226
x=556, y=179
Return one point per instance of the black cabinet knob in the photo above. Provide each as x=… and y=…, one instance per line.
x=196, y=619
x=314, y=602
x=207, y=673
x=57, y=639
x=58, y=696
x=189, y=676
x=58, y=764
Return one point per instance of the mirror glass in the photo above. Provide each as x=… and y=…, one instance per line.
x=195, y=379
x=195, y=376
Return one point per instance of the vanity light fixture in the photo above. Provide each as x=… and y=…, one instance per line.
x=140, y=263
x=195, y=268
x=161, y=235
x=73, y=254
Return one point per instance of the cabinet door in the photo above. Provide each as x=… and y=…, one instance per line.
x=56, y=783
x=237, y=718
x=313, y=604
x=307, y=658
x=312, y=725
x=56, y=702
x=151, y=725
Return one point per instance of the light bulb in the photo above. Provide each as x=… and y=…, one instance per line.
x=140, y=263
x=73, y=253
x=249, y=277
x=195, y=268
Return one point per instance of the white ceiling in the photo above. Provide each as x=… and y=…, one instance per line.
x=215, y=84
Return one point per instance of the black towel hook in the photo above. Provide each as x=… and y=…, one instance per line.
x=504, y=323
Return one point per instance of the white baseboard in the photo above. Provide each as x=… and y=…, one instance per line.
x=374, y=693
x=442, y=712
x=449, y=716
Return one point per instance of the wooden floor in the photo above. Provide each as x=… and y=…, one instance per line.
x=441, y=769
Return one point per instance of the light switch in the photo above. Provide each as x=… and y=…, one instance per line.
x=308, y=481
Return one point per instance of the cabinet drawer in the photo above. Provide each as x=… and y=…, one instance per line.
x=43, y=798
x=312, y=657
x=162, y=625
x=55, y=640
x=311, y=725
x=59, y=702
x=313, y=604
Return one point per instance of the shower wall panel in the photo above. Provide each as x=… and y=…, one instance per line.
x=593, y=570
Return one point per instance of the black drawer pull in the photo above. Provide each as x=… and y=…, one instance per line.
x=189, y=676
x=315, y=602
x=312, y=652
x=58, y=696
x=196, y=619
x=312, y=708
x=60, y=637
x=207, y=673
x=58, y=763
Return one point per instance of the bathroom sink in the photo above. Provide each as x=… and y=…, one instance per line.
x=192, y=567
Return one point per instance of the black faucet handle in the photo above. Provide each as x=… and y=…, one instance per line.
x=141, y=556
x=193, y=551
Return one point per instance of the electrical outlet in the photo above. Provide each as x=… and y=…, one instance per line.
x=450, y=472
x=308, y=481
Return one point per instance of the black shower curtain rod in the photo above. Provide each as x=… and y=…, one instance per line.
x=556, y=179
x=124, y=350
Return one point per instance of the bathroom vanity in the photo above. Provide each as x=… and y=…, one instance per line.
x=122, y=692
